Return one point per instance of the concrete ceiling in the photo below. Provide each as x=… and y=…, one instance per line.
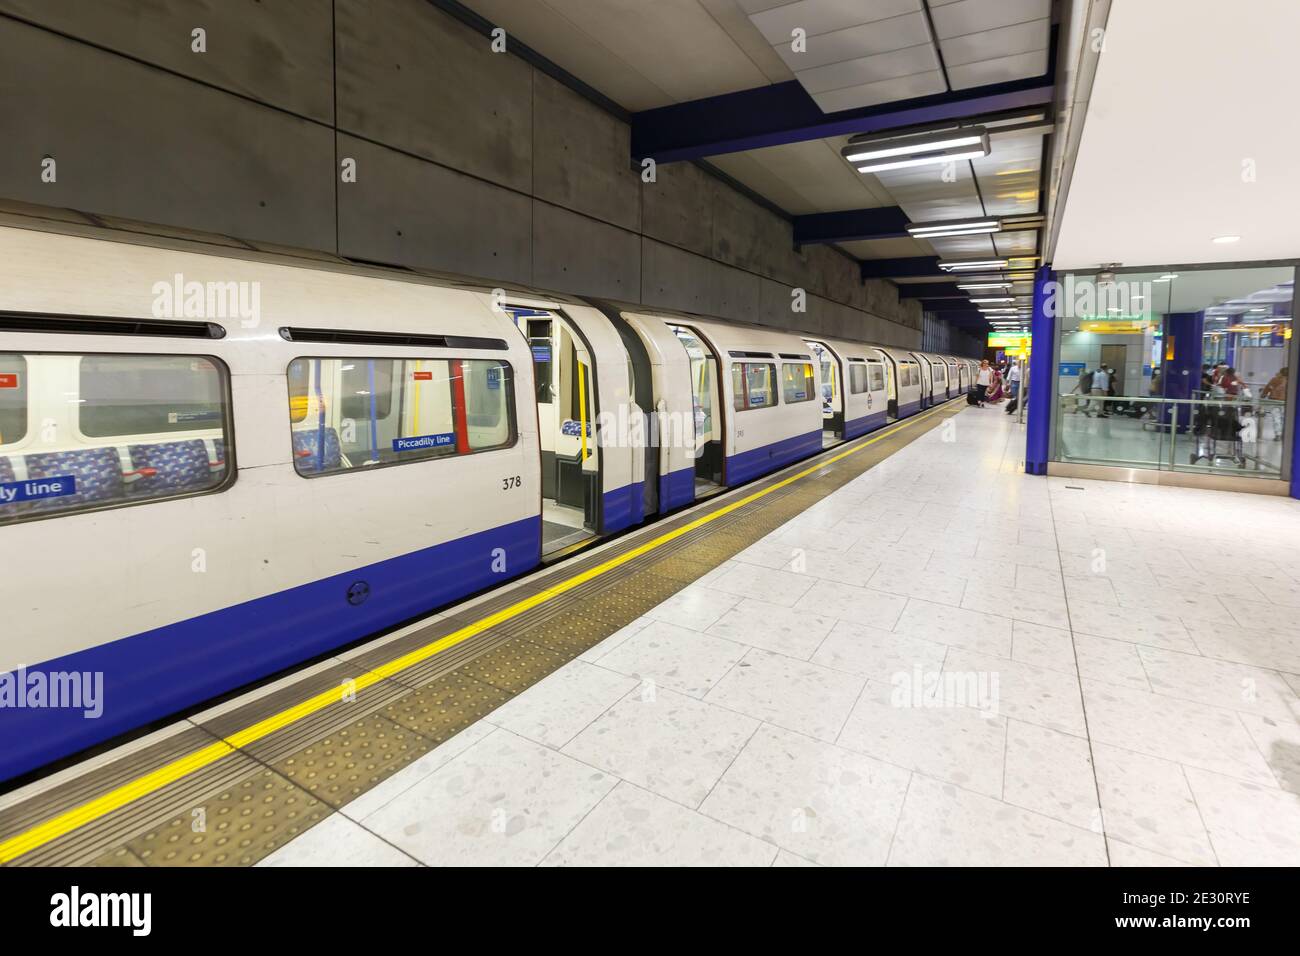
x=645, y=55
x=866, y=52
x=1158, y=173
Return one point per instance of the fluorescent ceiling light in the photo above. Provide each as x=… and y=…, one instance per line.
x=955, y=227
x=919, y=161
x=996, y=299
x=963, y=265
x=979, y=286
x=1222, y=239
x=877, y=153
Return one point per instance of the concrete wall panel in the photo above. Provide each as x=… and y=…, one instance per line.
x=677, y=207
x=411, y=77
x=133, y=141
x=573, y=253
x=580, y=156
x=279, y=52
x=408, y=212
x=675, y=279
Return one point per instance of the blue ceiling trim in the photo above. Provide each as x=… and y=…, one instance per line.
x=900, y=268
x=931, y=290
x=784, y=113
x=850, y=225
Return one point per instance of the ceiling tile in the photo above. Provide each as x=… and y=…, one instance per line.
x=825, y=16
x=864, y=40
x=975, y=16
x=1004, y=41
x=998, y=70
x=884, y=91
x=870, y=69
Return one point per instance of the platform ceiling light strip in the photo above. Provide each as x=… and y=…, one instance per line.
x=969, y=265
x=182, y=767
x=955, y=227
x=873, y=154
x=983, y=286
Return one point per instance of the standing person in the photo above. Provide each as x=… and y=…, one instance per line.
x=1101, y=386
x=1013, y=380
x=1230, y=383
x=1083, y=387
x=1275, y=391
x=982, y=382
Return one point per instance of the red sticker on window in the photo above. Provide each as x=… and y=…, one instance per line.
x=423, y=376
x=8, y=379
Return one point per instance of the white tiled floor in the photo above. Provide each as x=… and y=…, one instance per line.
x=945, y=662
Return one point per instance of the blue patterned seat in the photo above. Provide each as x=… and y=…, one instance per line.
x=177, y=466
x=305, y=457
x=6, y=470
x=98, y=472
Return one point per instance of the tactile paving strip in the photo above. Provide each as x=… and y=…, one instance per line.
x=348, y=762
x=236, y=827
x=323, y=761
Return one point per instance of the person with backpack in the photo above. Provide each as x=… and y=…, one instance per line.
x=1101, y=386
x=1083, y=387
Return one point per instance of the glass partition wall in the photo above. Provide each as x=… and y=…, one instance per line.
x=1184, y=371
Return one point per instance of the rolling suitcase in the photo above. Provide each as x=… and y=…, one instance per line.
x=972, y=396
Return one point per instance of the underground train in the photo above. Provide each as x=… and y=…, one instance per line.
x=218, y=463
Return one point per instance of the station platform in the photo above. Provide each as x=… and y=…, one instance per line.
x=904, y=652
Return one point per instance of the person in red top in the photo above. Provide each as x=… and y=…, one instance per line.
x=1230, y=383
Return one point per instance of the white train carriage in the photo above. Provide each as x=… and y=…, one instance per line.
x=853, y=383
x=956, y=379
x=758, y=396
x=903, y=380
x=233, y=496
x=938, y=377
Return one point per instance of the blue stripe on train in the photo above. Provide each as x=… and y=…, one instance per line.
x=867, y=423
x=157, y=673
x=677, y=488
x=623, y=507
x=911, y=408
x=759, y=461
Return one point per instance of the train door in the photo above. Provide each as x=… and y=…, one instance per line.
x=926, y=380
x=891, y=386
x=706, y=402
x=566, y=413
x=832, y=385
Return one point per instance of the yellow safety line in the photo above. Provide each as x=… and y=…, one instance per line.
x=151, y=782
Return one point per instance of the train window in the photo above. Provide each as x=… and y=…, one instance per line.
x=797, y=384
x=13, y=398
x=876, y=375
x=857, y=378
x=122, y=395
x=114, y=430
x=753, y=385
x=365, y=413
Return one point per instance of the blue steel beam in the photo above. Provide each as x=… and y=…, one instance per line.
x=932, y=290
x=850, y=225
x=901, y=268
x=784, y=113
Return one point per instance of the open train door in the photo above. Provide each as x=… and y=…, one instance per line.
x=831, y=371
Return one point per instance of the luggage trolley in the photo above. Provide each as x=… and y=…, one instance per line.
x=1218, y=428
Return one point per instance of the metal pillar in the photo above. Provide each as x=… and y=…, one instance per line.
x=1042, y=383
